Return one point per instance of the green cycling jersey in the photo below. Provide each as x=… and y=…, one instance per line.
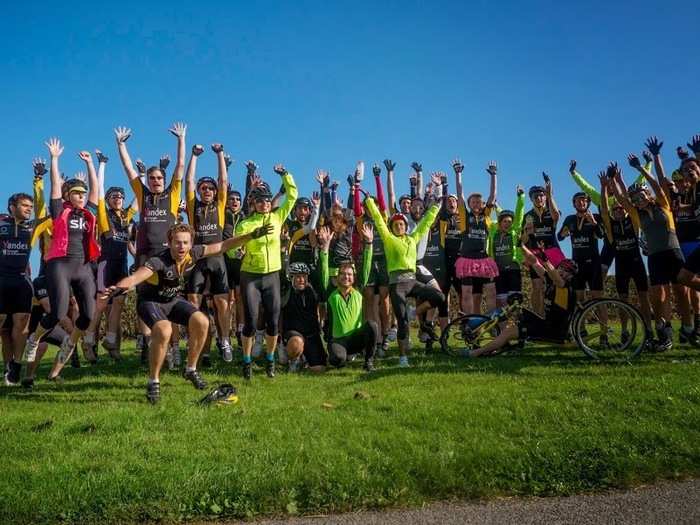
x=593, y=193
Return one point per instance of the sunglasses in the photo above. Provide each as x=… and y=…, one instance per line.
x=207, y=188
x=263, y=200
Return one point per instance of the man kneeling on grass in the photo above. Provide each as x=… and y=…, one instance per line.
x=160, y=301
x=349, y=332
x=559, y=306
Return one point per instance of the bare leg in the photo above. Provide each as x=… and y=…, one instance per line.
x=160, y=337
x=490, y=295
x=467, y=301
x=537, y=296
x=198, y=329
x=498, y=342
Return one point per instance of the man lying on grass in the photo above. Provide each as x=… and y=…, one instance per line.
x=559, y=306
x=160, y=301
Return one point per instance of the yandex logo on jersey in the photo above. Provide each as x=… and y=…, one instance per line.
x=157, y=212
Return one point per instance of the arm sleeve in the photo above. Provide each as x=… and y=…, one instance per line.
x=325, y=278
x=381, y=199
x=137, y=187
x=379, y=224
x=290, y=197
x=587, y=187
x=421, y=229
x=366, y=265
x=607, y=227
x=519, y=212
x=39, y=202
x=175, y=194
x=190, y=203
x=102, y=220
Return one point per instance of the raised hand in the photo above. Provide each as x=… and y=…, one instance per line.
x=682, y=153
x=122, y=134
x=457, y=166
x=633, y=161
x=164, y=162
x=324, y=236
x=321, y=176
x=228, y=160
x=603, y=177
x=251, y=167
x=316, y=199
x=360, y=171
x=547, y=180
x=413, y=180
x=654, y=145
x=334, y=186
x=436, y=178
x=217, y=148
x=101, y=157
x=694, y=144
x=417, y=167
x=376, y=170
x=614, y=170
x=140, y=166
x=280, y=169
x=255, y=181
x=197, y=150
x=368, y=232
x=492, y=168
x=519, y=190
x=351, y=181
x=39, y=166
x=55, y=147
x=389, y=165
x=179, y=129
x=647, y=156
x=85, y=156
x=80, y=175
x=572, y=166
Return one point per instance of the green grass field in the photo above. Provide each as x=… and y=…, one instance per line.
x=547, y=422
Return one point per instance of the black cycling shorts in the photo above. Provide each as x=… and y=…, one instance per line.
x=41, y=289
x=607, y=254
x=208, y=274
x=665, y=266
x=692, y=264
x=626, y=270
x=177, y=311
x=378, y=276
x=233, y=271
x=477, y=283
x=532, y=326
x=314, y=353
x=16, y=294
x=509, y=281
x=589, y=275
x=110, y=272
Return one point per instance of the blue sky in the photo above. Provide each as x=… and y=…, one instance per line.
x=324, y=84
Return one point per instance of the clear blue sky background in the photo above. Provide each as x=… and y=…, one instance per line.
x=324, y=84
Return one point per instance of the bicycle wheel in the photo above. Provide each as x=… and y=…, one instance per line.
x=609, y=329
x=466, y=333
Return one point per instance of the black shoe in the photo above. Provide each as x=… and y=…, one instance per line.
x=28, y=383
x=153, y=393
x=194, y=377
x=247, y=371
x=663, y=344
x=13, y=373
x=270, y=369
x=144, y=356
x=75, y=359
x=427, y=328
x=206, y=361
x=369, y=365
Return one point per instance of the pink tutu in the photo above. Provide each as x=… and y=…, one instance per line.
x=485, y=268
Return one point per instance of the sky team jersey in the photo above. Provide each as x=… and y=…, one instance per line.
x=77, y=227
x=584, y=236
x=656, y=222
x=157, y=213
x=475, y=237
x=208, y=220
x=544, y=228
x=114, y=228
x=169, y=277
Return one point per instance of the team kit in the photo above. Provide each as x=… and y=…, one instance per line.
x=316, y=282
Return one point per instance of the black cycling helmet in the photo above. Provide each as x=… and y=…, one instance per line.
x=303, y=201
x=261, y=193
x=536, y=189
x=580, y=194
x=637, y=187
x=569, y=265
x=505, y=213
x=404, y=197
x=112, y=190
x=74, y=185
x=297, y=268
x=207, y=180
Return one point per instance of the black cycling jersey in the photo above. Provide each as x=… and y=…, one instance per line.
x=684, y=213
x=503, y=251
x=207, y=222
x=434, y=258
x=115, y=241
x=340, y=249
x=544, y=228
x=15, y=245
x=300, y=249
x=157, y=213
x=300, y=311
x=474, y=237
x=169, y=278
x=584, y=236
x=625, y=239
x=77, y=227
x=453, y=234
x=231, y=220
x=559, y=305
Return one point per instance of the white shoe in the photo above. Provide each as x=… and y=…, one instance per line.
x=30, y=348
x=403, y=361
x=258, y=345
x=227, y=354
x=282, y=356
x=391, y=334
x=66, y=350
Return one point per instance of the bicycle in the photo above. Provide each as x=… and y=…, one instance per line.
x=620, y=334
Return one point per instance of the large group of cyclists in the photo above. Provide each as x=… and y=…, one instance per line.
x=315, y=282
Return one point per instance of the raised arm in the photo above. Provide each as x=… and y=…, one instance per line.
x=458, y=168
x=324, y=236
x=55, y=151
x=102, y=220
x=122, y=134
x=179, y=129
x=553, y=209
x=519, y=208
x=381, y=200
x=92, y=176
x=290, y=193
x=582, y=183
x=658, y=190
x=604, y=208
x=618, y=187
x=222, y=170
x=654, y=146
x=492, y=170
x=219, y=248
x=39, y=167
x=190, y=183
x=390, y=165
x=379, y=223
x=367, y=239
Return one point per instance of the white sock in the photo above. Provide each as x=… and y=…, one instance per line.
x=240, y=327
x=190, y=368
x=153, y=381
x=111, y=337
x=89, y=338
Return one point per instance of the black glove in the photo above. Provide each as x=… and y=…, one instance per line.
x=262, y=231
